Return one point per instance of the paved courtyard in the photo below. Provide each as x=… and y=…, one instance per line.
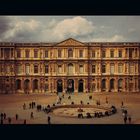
x=13, y=104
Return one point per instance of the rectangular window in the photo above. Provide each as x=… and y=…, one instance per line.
x=35, y=53
x=46, y=69
x=12, y=53
x=93, y=54
x=136, y=52
x=7, y=53
x=1, y=52
x=80, y=53
x=46, y=54
x=81, y=68
x=112, y=53
x=131, y=69
x=130, y=52
x=70, y=53
x=120, y=68
x=27, y=53
x=93, y=69
x=112, y=68
x=103, y=68
x=19, y=69
x=8, y=69
x=103, y=54
x=59, y=53
x=120, y=53
x=35, y=69
x=27, y=69
x=0, y=68
x=59, y=69
x=18, y=53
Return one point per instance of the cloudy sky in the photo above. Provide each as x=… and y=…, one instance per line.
x=59, y=28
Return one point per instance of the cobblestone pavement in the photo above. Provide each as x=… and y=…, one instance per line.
x=13, y=104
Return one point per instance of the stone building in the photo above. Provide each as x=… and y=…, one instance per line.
x=69, y=66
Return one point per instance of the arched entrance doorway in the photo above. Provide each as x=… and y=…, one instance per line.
x=103, y=85
x=18, y=84
x=80, y=85
x=26, y=86
x=35, y=85
x=70, y=85
x=120, y=85
x=112, y=84
x=59, y=86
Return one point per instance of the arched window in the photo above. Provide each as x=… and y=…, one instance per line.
x=70, y=68
x=120, y=68
x=112, y=68
x=120, y=83
x=46, y=69
x=59, y=69
x=70, y=53
x=35, y=68
x=27, y=68
x=81, y=68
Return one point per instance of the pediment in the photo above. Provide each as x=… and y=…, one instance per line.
x=70, y=42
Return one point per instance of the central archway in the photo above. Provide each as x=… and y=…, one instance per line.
x=26, y=85
x=35, y=84
x=70, y=85
x=80, y=85
x=59, y=86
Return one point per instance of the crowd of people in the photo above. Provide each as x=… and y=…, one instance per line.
x=4, y=119
x=47, y=109
x=127, y=118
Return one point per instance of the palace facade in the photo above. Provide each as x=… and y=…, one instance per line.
x=69, y=66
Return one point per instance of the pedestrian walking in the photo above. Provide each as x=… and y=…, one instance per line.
x=1, y=121
x=9, y=120
x=32, y=115
x=129, y=119
x=1, y=116
x=125, y=119
x=16, y=116
x=4, y=116
x=49, y=120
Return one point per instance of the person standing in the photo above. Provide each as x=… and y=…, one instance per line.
x=122, y=103
x=9, y=120
x=25, y=121
x=16, y=116
x=1, y=122
x=32, y=115
x=4, y=116
x=125, y=119
x=49, y=120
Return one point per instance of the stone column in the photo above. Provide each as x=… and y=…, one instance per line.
x=107, y=85
x=76, y=85
x=30, y=85
x=65, y=85
x=116, y=85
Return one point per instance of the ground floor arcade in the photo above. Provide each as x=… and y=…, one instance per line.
x=69, y=84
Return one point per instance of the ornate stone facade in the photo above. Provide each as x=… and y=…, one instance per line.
x=69, y=66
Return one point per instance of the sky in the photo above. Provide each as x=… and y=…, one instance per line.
x=59, y=28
